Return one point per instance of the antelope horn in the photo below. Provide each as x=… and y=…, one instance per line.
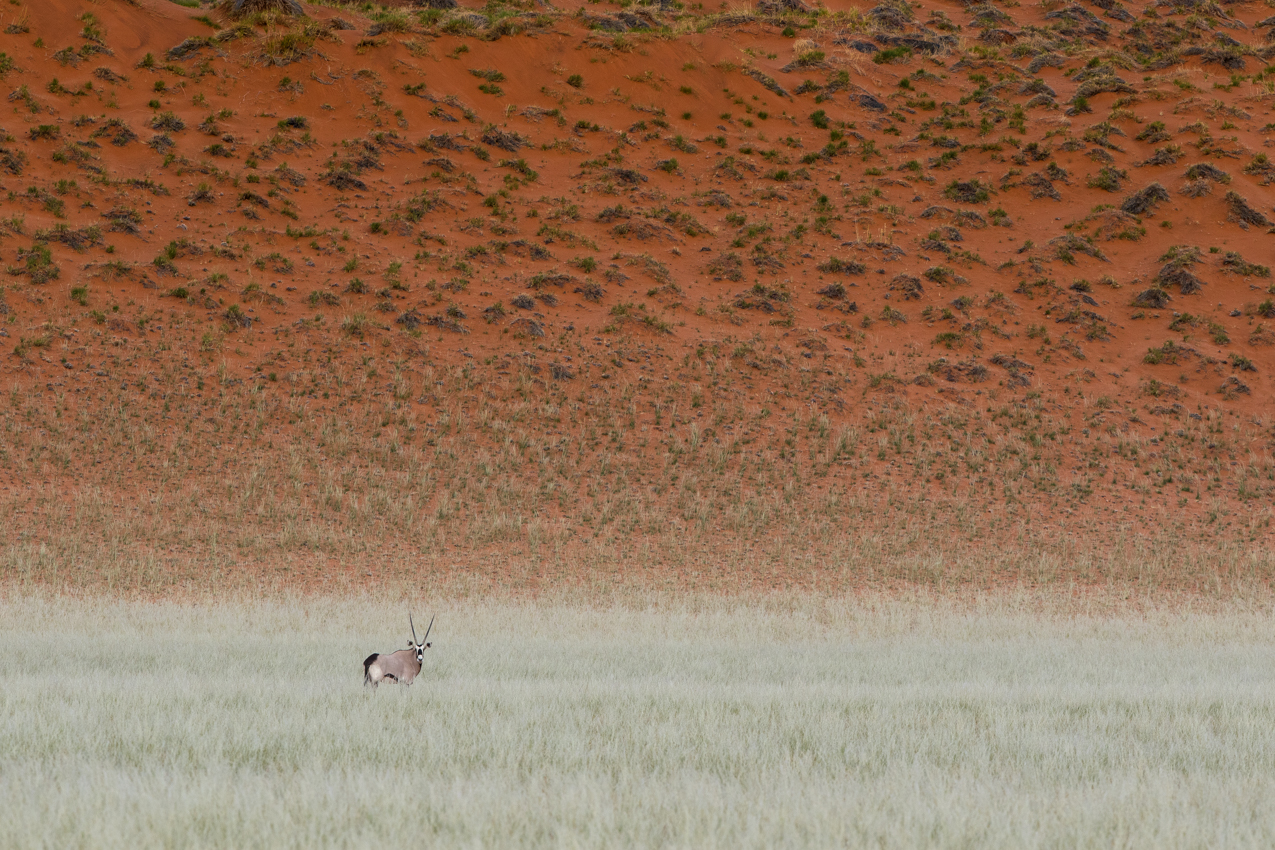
x=413, y=625
x=431, y=625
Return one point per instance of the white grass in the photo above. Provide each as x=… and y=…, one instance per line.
x=707, y=722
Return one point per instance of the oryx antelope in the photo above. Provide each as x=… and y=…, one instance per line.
x=401, y=666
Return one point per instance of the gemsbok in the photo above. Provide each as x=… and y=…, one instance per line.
x=402, y=666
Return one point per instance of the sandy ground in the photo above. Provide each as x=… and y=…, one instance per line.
x=724, y=230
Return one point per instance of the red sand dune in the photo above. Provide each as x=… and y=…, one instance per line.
x=923, y=224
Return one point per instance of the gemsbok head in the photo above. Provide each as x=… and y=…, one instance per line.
x=402, y=666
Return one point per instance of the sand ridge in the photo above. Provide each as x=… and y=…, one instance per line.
x=1003, y=260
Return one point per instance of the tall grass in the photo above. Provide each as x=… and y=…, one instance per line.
x=646, y=720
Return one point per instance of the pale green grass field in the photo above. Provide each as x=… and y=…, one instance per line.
x=701, y=722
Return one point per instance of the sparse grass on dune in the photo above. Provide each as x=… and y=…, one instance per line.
x=688, y=721
x=415, y=472
x=711, y=305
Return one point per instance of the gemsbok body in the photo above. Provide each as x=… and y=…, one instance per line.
x=400, y=667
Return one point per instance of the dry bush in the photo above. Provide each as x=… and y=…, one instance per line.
x=240, y=8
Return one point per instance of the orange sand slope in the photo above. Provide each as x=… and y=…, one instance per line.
x=490, y=276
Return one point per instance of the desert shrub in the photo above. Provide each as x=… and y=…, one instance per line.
x=1108, y=179
x=968, y=191
x=1234, y=263
x=1155, y=298
x=1242, y=213
x=77, y=239
x=1153, y=132
x=36, y=263
x=1206, y=171
x=168, y=122
x=836, y=265
x=242, y=8
x=1145, y=200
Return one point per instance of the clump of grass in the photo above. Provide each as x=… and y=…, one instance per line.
x=1242, y=213
x=1236, y=264
x=77, y=239
x=968, y=191
x=1155, y=297
x=244, y=8
x=202, y=192
x=1167, y=353
x=836, y=265
x=356, y=324
x=36, y=263
x=1145, y=200
x=892, y=55
x=167, y=122
x=1108, y=178
x=288, y=46
x=236, y=317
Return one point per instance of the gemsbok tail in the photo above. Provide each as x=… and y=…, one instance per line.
x=367, y=664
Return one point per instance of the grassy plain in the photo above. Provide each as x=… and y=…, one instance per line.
x=642, y=720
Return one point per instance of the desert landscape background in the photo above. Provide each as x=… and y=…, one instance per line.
x=806, y=424
x=835, y=296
